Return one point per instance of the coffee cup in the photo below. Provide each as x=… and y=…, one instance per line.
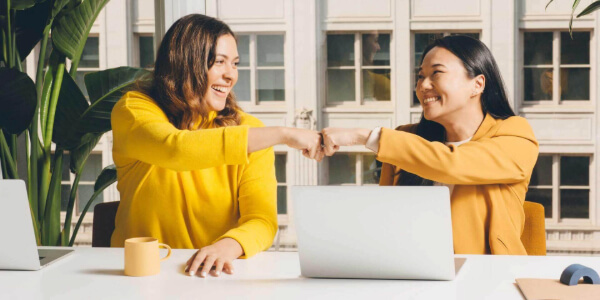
x=142, y=257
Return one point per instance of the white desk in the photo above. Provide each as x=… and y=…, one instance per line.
x=97, y=273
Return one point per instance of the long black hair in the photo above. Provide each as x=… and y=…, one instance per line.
x=478, y=60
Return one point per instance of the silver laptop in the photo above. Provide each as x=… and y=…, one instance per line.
x=19, y=249
x=378, y=232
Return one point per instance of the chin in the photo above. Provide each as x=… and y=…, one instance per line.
x=218, y=105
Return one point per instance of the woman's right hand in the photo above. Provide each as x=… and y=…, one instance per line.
x=309, y=141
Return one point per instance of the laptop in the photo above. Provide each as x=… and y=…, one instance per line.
x=19, y=249
x=376, y=232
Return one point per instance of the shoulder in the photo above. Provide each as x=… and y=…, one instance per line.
x=136, y=106
x=250, y=120
x=412, y=128
x=514, y=125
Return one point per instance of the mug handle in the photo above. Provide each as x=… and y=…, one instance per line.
x=166, y=247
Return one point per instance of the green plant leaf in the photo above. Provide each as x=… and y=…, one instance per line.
x=590, y=9
x=105, y=89
x=80, y=154
x=71, y=105
x=17, y=100
x=29, y=27
x=23, y=4
x=548, y=4
x=70, y=31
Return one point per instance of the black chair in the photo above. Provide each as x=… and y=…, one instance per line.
x=104, y=223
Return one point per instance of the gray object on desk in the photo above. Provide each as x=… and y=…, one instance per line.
x=19, y=250
x=377, y=232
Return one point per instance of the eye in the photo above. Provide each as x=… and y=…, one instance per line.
x=237, y=63
x=219, y=61
x=437, y=71
x=420, y=76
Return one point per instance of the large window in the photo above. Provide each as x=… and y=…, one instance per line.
x=90, y=61
x=421, y=41
x=261, y=72
x=562, y=184
x=280, y=172
x=353, y=169
x=555, y=55
x=91, y=170
x=358, y=68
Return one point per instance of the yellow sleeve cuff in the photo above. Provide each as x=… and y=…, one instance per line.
x=236, y=145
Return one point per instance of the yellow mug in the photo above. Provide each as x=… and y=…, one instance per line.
x=142, y=257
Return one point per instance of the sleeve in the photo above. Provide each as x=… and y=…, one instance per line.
x=507, y=157
x=257, y=225
x=373, y=140
x=141, y=131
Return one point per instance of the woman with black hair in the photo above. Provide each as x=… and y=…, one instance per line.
x=468, y=139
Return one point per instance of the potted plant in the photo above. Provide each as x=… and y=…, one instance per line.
x=53, y=109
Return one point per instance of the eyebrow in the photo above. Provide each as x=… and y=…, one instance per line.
x=433, y=66
x=219, y=54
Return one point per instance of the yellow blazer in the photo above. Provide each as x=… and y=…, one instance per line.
x=491, y=174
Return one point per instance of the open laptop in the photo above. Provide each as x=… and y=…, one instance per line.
x=378, y=232
x=19, y=249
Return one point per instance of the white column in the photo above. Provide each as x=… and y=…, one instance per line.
x=117, y=30
x=403, y=64
x=166, y=12
x=502, y=38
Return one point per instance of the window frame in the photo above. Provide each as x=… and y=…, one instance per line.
x=556, y=188
x=136, y=62
x=358, y=68
x=556, y=66
x=357, y=165
x=254, y=104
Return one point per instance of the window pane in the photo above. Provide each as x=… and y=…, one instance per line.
x=422, y=40
x=575, y=83
x=538, y=48
x=375, y=49
x=242, y=88
x=574, y=204
x=542, y=173
x=574, y=170
x=64, y=196
x=90, y=57
x=65, y=168
x=342, y=168
x=576, y=50
x=269, y=50
x=543, y=197
x=280, y=162
x=85, y=192
x=376, y=85
x=146, y=51
x=271, y=85
x=340, y=85
x=92, y=168
x=282, y=200
x=370, y=170
x=340, y=50
x=538, y=84
x=79, y=79
x=243, y=45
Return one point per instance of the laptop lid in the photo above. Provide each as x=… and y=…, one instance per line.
x=380, y=232
x=19, y=250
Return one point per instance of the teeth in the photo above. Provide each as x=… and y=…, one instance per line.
x=220, y=88
x=431, y=99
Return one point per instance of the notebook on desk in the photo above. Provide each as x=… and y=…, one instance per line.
x=377, y=232
x=19, y=249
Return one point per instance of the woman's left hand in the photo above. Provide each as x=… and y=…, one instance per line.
x=218, y=255
x=333, y=138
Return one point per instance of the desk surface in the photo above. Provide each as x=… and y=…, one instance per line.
x=97, y=273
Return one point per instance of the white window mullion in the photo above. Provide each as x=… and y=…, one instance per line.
x=556, y=68
x=358, y=166
x=357, y=69
x=253, y=71
x=555, y=188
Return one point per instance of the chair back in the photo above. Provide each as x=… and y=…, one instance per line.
x=104, y=223
x=534, y=233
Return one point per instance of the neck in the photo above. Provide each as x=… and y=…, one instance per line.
x=464, y=126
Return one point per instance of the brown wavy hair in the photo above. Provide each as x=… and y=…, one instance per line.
x=180, y=78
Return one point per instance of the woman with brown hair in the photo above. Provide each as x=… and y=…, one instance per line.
x=194, y=170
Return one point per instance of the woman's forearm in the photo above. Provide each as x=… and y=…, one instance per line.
x=264, y=137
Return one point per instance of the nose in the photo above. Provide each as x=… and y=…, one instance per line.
x=424, y=85
x=230, y=73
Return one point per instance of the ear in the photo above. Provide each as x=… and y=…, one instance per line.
x=478, y=85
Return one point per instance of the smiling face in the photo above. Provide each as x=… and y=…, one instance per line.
x=223, y=74
x=444, y=88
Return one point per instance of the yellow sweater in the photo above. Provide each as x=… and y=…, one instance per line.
x=190, y=189
x=491, y=174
